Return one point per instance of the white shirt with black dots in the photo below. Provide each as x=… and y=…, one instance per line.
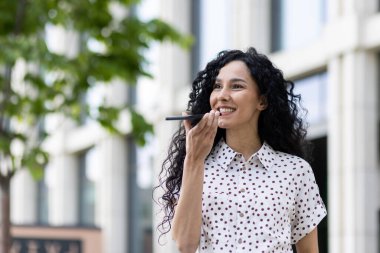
x=264, y=204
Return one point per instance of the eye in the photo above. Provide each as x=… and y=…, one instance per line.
x=237, y=86
x=217, y=86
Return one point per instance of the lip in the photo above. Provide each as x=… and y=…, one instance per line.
x=230, y=110
x=225, y=106
x=225, y=114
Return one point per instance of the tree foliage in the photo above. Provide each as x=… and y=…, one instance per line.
x=37, y=81
x=56, y=82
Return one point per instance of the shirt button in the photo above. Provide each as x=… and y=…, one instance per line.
x=240, y=241
x=241, y=214
x=242, y=190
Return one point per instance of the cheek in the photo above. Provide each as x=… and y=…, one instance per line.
x=212, y=99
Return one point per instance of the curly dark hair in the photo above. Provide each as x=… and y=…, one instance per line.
x=279, y=125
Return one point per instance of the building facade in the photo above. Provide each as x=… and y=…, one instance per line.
x=97, y=189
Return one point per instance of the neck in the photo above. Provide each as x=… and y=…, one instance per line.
x=243, y=143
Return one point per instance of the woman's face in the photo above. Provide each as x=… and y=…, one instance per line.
x=236, y=96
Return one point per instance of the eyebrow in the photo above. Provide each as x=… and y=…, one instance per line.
x=232, y=80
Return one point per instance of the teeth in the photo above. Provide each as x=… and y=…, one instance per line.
x=224, y=110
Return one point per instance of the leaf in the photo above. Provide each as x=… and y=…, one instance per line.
x=54, y=81
x=140, y=127
x=129, y=2
x=37, y=172
x=5, y=144
x=35, y=160
x=161, y=31
x=7, y=20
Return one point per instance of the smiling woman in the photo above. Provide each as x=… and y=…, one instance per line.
x=237, y=179
x=237, y=97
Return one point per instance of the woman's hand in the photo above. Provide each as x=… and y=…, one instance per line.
x=187, y=220
x=200, y=138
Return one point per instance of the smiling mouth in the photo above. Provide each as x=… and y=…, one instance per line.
x=225, y=110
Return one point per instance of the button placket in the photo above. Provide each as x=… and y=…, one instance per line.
x=242, y=191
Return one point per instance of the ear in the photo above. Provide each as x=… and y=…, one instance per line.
x=263, y=103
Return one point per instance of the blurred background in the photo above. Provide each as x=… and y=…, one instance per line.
x=95, y=194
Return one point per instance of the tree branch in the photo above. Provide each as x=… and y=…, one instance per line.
x=20, y=16
x=4, y=123
x=19, y=20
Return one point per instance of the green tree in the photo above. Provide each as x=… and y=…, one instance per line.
x=54, y=83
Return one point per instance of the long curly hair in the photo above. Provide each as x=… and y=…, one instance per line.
x=280, y=125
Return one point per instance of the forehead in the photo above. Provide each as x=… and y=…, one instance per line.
x=234, y=69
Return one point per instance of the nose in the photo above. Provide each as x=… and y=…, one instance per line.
x=224, y=95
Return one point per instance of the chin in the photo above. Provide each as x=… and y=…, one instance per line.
x=222, y=125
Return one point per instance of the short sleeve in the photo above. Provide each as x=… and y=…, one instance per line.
x=309, y=208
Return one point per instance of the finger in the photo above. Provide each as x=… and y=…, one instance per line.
x=213, y=127
x=208, y=127
x=211, y=118
x=202, y=123
x=216, y=119
x=186, y=123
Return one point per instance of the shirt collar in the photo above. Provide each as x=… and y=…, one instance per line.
x=266, y=155
x=223, y=155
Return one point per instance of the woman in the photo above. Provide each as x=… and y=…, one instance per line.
x=236, y=180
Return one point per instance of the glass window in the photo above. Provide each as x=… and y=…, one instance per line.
x=313, y=90
x=195, y=30
x=43, y=198
x=295, y=23
x=88, y=175
x=140, y=161
x=43, y=184
x=215, y=32
x=212, y=31
x=140, y=197
x=91, y=101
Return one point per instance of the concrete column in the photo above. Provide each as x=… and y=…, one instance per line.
x=24, y=198
x=112, y=205
x=334, y=9
x=353, y=153
x=174, y=62
x=348, y=152
x=252, y=25
x=63, y=190
x=335, y=168
x=363, y=8
x=364, y=122
x=174, y=80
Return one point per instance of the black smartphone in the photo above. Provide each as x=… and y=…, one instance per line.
x=187, y=117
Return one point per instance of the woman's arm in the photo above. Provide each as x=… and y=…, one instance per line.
x=187, y=220
x=309, y=243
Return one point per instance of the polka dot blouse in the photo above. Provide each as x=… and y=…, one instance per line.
x=264, y=204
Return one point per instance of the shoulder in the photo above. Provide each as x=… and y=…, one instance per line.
x=292, y=162
x=272, y=158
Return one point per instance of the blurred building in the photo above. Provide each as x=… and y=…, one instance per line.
x=97, y=190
